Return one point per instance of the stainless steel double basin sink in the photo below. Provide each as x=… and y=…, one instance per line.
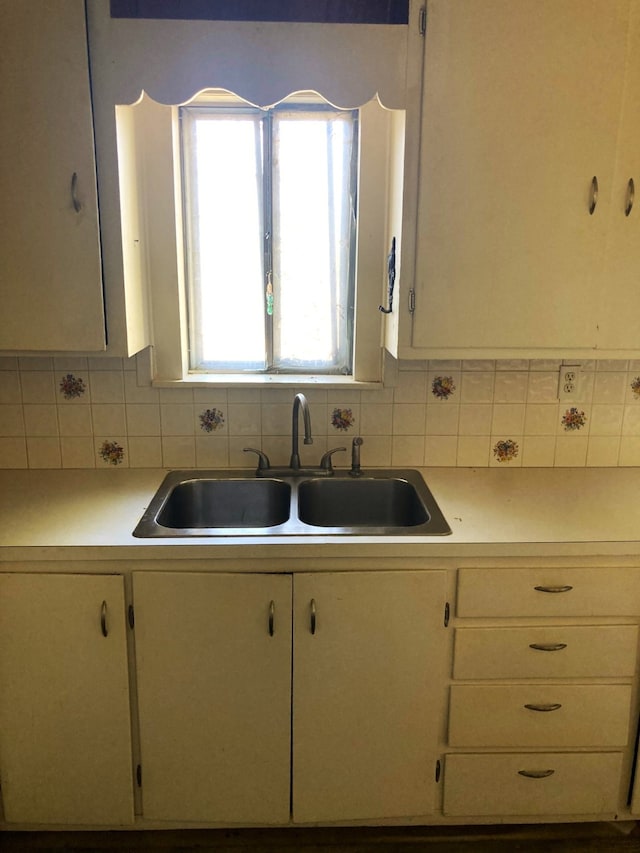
x=236, y=503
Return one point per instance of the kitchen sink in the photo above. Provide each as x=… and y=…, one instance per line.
x=195, y=501
x=237, y=503
x=362, y=502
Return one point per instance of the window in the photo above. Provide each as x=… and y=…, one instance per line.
x=158, y=166
x=270, y=226
x=323, y=11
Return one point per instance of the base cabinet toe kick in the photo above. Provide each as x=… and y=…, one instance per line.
x=429, y=693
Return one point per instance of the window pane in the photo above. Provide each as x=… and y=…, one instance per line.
x=323, y=11
x=225, y=232
x=313, y=224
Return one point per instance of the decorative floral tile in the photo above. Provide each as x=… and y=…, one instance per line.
x=211, y=419
x=443, y=387
x=342, y=419
x=635, y=387
x=573, y=419
x=112, y=453
x=506, y=450
x=72, y=386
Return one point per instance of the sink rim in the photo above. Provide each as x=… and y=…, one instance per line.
x=149, y=528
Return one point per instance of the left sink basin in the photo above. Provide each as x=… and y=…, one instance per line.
x=185, y=504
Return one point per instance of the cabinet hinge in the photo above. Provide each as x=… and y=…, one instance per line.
x=447, y=614
x=422, y=21
x=139, y=775
x=412, y=301
x=131, y=617
x=438, y=770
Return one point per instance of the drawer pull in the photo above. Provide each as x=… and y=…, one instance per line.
x=631, y=193
x=593, y=196
x=313, y=613
x=272, y=616
x=103, y=619
x=548, y=647
x=536, y=774
x=552, y=706
x=565, y=588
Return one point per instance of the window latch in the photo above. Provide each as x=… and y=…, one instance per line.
x=391, y=273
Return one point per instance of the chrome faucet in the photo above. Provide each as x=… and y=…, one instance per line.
x=295, y=469
x=299, y=402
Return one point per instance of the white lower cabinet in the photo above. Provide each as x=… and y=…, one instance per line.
x=65, y=731
x=213, y=660
x=538, y=784
x=543, y=699
x=318, y=697
x=368, y=666
x=539, y=715
x=214, y=654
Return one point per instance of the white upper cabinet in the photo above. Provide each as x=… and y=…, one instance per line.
x=619, y=317
x=529, y=110
x=50, y=266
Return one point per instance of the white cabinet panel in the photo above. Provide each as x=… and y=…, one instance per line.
x=214, y=689
x=542, y=652
x=549, y=591
x=524, y=103
x=65, y=733
x=619, y=315
x=551, y=784
x=367, y=670
x=50, y=267
x=539, y=715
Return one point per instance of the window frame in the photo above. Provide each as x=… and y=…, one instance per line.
x=266, y=121
x=151, y=220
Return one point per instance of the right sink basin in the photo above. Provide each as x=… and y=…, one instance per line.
x=384, y=500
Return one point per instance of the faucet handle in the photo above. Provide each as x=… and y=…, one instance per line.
x=263, y=459
x=325, y=462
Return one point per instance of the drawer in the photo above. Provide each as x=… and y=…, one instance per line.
x=581, y=715
x=548, y=592
x=554, y=784
x=544, y=652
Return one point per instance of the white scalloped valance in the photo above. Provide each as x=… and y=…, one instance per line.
x=348, y=64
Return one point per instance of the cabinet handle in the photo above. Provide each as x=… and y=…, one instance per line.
x=548, y=647
x=536, y=774
x=74, y=193
x=552, y=706
x=631, y=194
x=593, y=198
x=272, y=613
x=565, y=588
x=312, y=608
x=103, y=619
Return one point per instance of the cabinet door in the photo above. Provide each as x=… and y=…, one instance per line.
x=65, y=731
x=520, y=112
x=368, y=693
x=214, y=691
x=50, y=270
x=619, y=320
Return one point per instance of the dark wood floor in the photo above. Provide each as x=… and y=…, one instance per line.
x=558, y=838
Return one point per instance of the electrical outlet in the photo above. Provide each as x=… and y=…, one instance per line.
x=569, y=382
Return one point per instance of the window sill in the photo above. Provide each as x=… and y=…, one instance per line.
x=226, y=380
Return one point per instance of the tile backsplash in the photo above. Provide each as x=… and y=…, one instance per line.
x=93, y=413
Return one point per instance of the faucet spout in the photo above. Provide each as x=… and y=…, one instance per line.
x=299, y=402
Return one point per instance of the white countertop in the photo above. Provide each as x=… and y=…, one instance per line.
x=82, y=514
